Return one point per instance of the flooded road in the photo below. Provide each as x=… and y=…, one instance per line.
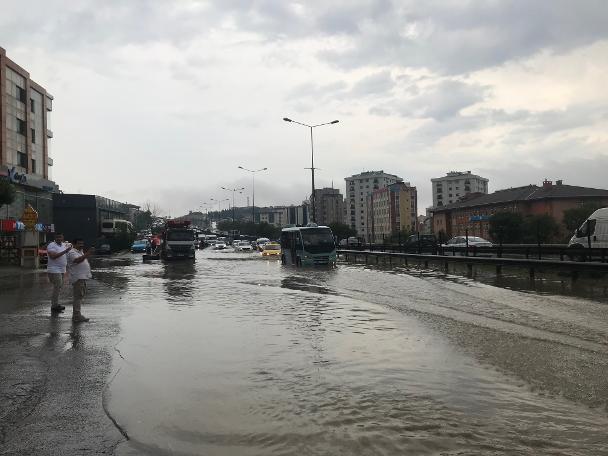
x=236, y=355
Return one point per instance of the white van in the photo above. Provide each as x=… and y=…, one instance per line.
x=593, y=231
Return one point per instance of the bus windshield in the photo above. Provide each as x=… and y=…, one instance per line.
x=318, y=240
x=185, y=235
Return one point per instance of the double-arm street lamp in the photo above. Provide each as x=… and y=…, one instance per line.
x=253, y=171
x=233, y=190
x=312, y=160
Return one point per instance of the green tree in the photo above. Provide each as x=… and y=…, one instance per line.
x=342, y=231
x=143, y=220
x=574, y=218
x=7, y=192
x=539, y=228
x=506, y=227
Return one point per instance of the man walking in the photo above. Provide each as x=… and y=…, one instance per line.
x=80, y=272
x=55, y=268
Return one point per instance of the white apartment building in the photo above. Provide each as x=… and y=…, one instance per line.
x=358, y=188
x=456, y=184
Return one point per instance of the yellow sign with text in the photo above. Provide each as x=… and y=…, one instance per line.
x=29, y=218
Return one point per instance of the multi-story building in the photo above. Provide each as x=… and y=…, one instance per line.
x=456, y=184
x=393, y=209
x=472, y=215
x=24, y=145
x=329, y=206
x=358, y=188
x=281, y=216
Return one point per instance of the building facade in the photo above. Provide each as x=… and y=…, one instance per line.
x=281, y=216
x=358, y=188
x=472, y=215
x=392, y=209
x=456, y=184
x=329, y=206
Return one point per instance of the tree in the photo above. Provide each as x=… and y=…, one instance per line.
x=7, y=193
x=506, y=227
x=574, y=218
x=143, y=220
x=539, y=228
x=342, y=231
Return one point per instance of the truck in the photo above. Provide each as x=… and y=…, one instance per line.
x=177, y=241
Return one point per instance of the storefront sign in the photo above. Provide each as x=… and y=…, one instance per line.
x=13, y=176
x=29, y=218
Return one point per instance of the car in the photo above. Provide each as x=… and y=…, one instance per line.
x=103, y=249
x=423, y=243
x=219, y=245
x=43, y=256
x=271, y=249
x=244, y=246
x=235, y=244
x=260, y=243
x=140, y=245
x=473, y=241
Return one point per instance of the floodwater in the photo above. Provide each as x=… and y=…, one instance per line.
x=238, y=355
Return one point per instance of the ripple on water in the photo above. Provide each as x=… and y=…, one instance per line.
x=271, y=360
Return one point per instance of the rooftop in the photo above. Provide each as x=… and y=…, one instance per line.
x=525, y=193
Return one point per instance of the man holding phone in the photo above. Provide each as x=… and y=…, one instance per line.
x=80, y=272
x=55, y=268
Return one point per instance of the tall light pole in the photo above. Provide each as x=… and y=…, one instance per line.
x=253, y=171
x=233, y=190
x=312, y=160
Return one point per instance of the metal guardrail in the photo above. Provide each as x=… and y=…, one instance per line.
x=533, y=265
x=528, y=251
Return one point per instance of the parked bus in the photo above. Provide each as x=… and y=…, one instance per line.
x=309, y=245
x=112, y=227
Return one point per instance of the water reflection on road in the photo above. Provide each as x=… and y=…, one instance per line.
x=238, y=355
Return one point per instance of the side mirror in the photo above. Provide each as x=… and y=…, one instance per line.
x=578, y=233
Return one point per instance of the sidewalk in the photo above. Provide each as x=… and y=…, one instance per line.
x=53, y=374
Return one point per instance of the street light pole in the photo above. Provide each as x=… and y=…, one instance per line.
x=233, y=190
x=312, y=161
x=253, y=171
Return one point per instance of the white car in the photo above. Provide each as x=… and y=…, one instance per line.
x=235, y=244
x=219, y=245
x=244, y=246
x=461, y=241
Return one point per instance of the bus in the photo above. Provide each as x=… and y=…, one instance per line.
x=309, y=245
x=112, y=227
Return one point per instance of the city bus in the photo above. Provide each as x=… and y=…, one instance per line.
x=309, y=245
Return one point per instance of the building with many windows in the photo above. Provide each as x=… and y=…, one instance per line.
x=392, y=209
x=281, y=216
x=329, y=206
x=24, y=160
x=358, y=188
x=456, y=184
x=472, y=215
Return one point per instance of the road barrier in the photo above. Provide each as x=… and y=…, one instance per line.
x=531, y=264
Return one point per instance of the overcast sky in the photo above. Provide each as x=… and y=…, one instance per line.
x=161, y=100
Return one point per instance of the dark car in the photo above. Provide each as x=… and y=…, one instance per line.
x=423, y=243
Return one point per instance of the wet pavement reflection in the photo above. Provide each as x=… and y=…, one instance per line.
x=235, y=354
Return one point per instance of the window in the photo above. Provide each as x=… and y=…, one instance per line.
x=33, y=166
x=21, y=127
x=32, y=106
x=21, y=94
x=33, y=136
x=22, y=159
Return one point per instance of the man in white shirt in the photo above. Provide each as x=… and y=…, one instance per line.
x=80, y=272
x=55, y=268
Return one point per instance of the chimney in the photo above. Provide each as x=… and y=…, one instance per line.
x=547, y=183
x=559, y=182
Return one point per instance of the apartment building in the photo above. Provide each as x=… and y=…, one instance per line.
x=393, y=209
x=329, y=206
x=281, y=216
x=358, y=188
x=24, y=141
x=456, y=184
